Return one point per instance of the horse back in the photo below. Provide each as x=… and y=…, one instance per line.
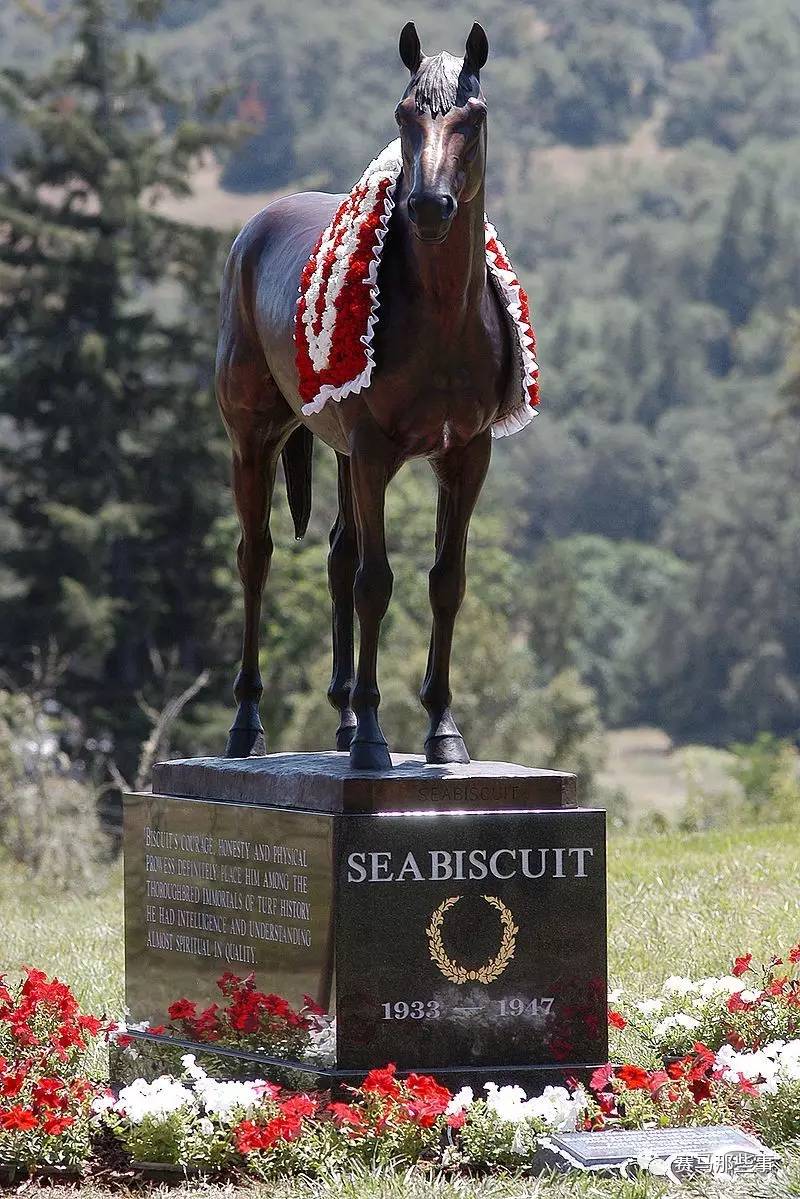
x=260, y=288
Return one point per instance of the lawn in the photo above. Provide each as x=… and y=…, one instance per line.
x=677, y=905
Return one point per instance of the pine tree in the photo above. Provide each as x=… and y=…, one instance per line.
x=114, y=462
x=731, y=282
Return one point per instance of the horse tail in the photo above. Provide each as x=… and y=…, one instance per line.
x=297, y=457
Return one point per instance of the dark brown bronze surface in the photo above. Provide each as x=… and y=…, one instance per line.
x=325, y=782
x=443, y=363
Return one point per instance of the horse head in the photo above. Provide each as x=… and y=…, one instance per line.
x=442, y=121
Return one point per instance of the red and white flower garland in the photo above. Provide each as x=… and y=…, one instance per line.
x=338, y=304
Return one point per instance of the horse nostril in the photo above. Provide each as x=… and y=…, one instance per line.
x=431, y=208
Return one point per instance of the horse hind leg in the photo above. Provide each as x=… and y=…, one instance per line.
x=342, y=561
x=259, y=422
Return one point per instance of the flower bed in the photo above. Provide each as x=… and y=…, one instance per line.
x=54, y=1117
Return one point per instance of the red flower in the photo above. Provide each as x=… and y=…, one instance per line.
x=311, y=1005
x=794, y=953
x=19, y=1119
x=737, y=1004
x=182, y=1009
x=382, y=1081
x=280, y=1128
x=55, y=1125
x=427, y=1099
x=46, y=1090
x=12, y=1084
x=248, y=1136
x=457, y=1120
x=299, y=1105
x=615, y=1020
x=747, y=1087
x=742, y=965
x=657, y=1080
x=156, y=1029
x=601, y=1078
x=347, y=1113
x=634, y=1078
x=90, y=1024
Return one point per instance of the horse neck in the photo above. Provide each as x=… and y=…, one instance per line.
x=450, y=277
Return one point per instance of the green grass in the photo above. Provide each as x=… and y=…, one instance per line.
x=678, y=904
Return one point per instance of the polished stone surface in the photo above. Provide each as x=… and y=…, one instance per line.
x=469, y=942
x=686, y=1152
x=211, y=888
x=325, y=782
x=448, y=953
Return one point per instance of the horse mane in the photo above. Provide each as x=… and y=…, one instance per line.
x=442, y=82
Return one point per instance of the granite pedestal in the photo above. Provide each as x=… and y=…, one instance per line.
x=451, y=918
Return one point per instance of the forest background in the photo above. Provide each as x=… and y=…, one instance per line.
x=634, y=560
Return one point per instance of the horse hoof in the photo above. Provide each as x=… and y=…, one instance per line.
x=449, y=747
x=344, y=736
x=370, y=755
x=245, y=743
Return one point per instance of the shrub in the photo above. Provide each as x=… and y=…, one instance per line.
x=48, y=812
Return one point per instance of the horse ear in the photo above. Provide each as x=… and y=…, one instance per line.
x=477, y=49
x=410, y=49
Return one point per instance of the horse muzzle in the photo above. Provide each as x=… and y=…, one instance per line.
x=431, y=214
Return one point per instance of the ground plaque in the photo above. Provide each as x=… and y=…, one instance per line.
x=460, y=937
x=677, y=1153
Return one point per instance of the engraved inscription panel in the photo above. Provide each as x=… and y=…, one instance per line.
x=219, y=888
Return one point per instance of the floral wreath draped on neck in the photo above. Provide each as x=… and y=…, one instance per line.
x=338, y=304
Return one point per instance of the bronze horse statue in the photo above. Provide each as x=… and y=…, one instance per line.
x=443, y=356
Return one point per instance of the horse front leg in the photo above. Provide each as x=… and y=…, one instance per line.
x=255, y=460
x=341, y=578
x=372, y=464
x=460, y=473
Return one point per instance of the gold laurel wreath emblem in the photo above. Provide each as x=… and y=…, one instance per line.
x=494, y=967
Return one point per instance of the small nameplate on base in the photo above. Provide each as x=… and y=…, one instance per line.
x=674, y=1153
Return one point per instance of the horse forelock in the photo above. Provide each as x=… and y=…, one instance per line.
x=441, y=83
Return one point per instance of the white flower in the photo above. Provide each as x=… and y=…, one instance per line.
x=750, y=996
x=205, y=1127
x=757, y=1068
x=156, y=1099
x=789, y=1061
x=615, y=996
x=555, y=1106
x=102, y=1103
x=321, y=1045
x=505, y=1102
x=678, y=986
x=558, y=1108
x=650, y=1007
x=460, y=1101
x=729, y=985
x=678, y=1021
x=190, y=1066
